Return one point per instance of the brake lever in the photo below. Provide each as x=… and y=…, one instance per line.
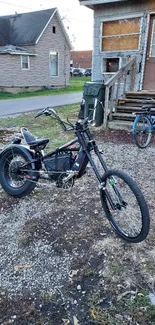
x=45, y=111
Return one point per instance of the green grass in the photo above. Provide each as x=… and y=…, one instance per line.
x=43, y=126
x=76, y=85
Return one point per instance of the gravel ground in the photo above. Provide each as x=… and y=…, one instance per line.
x=58, y=251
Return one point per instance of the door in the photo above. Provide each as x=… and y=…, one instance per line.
x=149, y=74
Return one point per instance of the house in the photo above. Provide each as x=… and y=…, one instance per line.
x=34, y=51
x=123, y=47
x=81, y=59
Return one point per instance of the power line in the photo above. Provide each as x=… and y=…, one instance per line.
x=18, y=5
x=15, y=5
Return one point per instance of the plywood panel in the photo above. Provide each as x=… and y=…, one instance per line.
x=119, y=27
x=124, y=43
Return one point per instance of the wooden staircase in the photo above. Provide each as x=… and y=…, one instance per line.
x=123, y=115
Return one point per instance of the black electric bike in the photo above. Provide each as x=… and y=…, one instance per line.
x=21, y=167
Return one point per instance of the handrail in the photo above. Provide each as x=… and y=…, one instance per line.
x=126, y=76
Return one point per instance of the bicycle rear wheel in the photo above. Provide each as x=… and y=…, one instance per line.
x=142, y=131
x=125, y=206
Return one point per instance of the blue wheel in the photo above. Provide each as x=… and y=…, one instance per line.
x=142, y=131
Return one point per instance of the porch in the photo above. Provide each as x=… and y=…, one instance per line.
x=122, y=100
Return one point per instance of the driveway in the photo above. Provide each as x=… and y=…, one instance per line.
x=13, y=106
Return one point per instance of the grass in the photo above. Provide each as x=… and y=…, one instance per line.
x=76, y=85
x=44, y=126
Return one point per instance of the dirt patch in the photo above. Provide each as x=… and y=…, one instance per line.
x=61, y=263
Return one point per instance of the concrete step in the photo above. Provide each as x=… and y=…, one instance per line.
x=120, y=125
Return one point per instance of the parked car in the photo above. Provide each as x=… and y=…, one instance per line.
x=78, y=72
x=71, y=71
x=88, y=72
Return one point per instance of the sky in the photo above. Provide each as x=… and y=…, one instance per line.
x=78, y=20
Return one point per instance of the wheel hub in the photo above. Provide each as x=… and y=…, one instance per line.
x=15, y=170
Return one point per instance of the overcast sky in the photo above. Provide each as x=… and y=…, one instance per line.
x=78, y=19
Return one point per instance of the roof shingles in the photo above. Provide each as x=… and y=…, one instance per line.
x=25, y=28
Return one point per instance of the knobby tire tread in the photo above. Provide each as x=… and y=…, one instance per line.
x=28, y=186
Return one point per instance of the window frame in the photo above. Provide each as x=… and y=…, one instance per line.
x=153, y=33
x=25, y=55
x=57, y=68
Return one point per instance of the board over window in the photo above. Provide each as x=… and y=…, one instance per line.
x=121, y=35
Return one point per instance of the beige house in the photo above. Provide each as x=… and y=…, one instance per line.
x=34, y=51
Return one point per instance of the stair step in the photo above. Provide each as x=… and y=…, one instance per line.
x=123, y=116
x=120, y=125
x=140, y=94
x=129, y=109
x=136, y=100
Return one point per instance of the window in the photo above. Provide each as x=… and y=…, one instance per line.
x=121, y=35
x=54, y=30
x=54, y=63
x=112, y=65
x=25, y=62
x=152, y=48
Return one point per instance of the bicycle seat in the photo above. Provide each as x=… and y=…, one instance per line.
x=32, y=141
x=147, y=107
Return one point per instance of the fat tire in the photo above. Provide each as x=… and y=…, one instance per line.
x=136, y=134
x=145, y=218
x=27, y=187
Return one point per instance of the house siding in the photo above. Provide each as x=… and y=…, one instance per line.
x=122, y=10
x=12, y=75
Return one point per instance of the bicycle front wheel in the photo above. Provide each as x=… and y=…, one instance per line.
x=125, y=206
x=142, y=131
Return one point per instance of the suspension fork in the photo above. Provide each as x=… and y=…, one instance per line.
x=87, y=147
x=97, y=152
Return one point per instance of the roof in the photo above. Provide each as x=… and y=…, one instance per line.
x=26, y=28
x=91, y=3
x=11, y=49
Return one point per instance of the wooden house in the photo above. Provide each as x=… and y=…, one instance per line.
x=34, y=51
x=123, y=54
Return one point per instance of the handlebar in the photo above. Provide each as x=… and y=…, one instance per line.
x=51, y=112
x=68, y=126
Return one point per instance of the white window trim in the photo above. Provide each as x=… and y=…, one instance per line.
x=22, y=62
x=153, y=26
x=50, y=64
x=120, y=64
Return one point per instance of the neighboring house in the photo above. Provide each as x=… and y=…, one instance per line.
x=34, y=51
x=81, y=59
x=122, y=30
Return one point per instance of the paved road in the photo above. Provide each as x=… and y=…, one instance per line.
x=13, y=106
